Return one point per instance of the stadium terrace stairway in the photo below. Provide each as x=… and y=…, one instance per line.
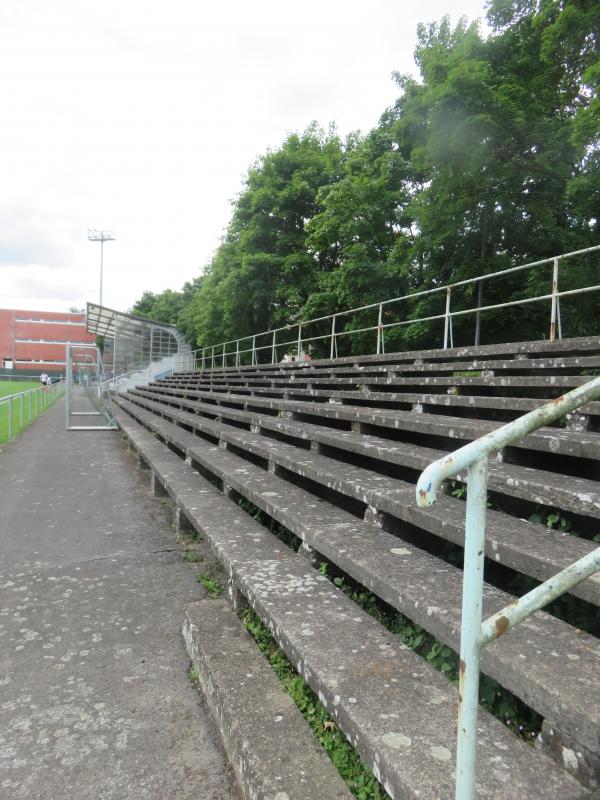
x=331, y=450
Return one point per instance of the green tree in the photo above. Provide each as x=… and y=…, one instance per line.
x=262, y=273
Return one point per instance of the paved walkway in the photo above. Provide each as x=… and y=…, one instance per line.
x=94, y=697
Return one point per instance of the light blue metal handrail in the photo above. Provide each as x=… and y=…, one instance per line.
x=475, y=634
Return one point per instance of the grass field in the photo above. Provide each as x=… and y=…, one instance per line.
x=14, y=387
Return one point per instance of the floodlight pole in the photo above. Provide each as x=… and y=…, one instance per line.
x=101, y=236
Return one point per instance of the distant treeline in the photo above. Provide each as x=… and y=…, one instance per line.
x=491, y=158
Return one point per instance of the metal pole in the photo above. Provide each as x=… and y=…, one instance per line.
x=99, y=372
x=223, y=354
x=299, y=341
x=478, y=315
x=558, y=319
x=447, y=318
x=237, y=353
x=253, y=350
x=379, y=329
x=101, y=267
x=273, y=351
x=68, y=386
x=554, y=299
x=213, y=357
x=115, y=336
x=21, y=411
x=468, y=685
x=332, y=337
x=10, y=419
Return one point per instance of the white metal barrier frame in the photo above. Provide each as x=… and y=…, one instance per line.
x=217, y=355
x=95, y=360
x=475, y=634
x=37, y=400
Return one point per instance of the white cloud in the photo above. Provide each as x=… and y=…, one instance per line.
x=143, y=117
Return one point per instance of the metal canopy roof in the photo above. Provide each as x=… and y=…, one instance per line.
x=103, y=321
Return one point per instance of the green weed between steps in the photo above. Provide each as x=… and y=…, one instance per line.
x=360, y=780
x=212, y=586
x=192, y=557
x=493, y=697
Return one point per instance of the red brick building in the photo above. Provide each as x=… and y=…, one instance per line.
x=35, y=340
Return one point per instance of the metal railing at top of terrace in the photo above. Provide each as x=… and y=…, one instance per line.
x=18, y=410
x=234, y=349
x=475, y=634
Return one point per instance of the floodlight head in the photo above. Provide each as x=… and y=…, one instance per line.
x=100, y=236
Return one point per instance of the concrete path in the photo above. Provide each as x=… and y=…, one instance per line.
x=95, y=701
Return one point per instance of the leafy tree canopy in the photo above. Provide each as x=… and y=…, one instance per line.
x=490, y=158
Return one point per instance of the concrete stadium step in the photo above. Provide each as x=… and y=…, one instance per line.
x=423, y=588
x=578, y=495
x=271, y=748
x=200, y=504
x=521, y=384
x=555, y=441
x=394, y=707
x=574, y=364
x=523, y=546
x=469, y=405
x=397, y=711
x=491, y=374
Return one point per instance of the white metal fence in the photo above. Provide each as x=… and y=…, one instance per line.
x=18, y=410
x=298, y=336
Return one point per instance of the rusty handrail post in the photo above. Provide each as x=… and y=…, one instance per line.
x=475, y=634
x=554, y=300
x=332, y=337
x=379, y=328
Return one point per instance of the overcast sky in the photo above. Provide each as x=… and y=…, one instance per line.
x=142, y=117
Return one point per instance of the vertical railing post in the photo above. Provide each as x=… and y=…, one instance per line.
x=223, y=354
x=470, y=642
x=213, y=357
x=447, y=318
x=331, y=349
x=21, y=411
x=253, y=350
x=273, y=350
x=10, y=419
x=237, y=353
x=379, y=329
x=299, y=341
x=554, y=300
x=478, y=315
x=68, y=378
